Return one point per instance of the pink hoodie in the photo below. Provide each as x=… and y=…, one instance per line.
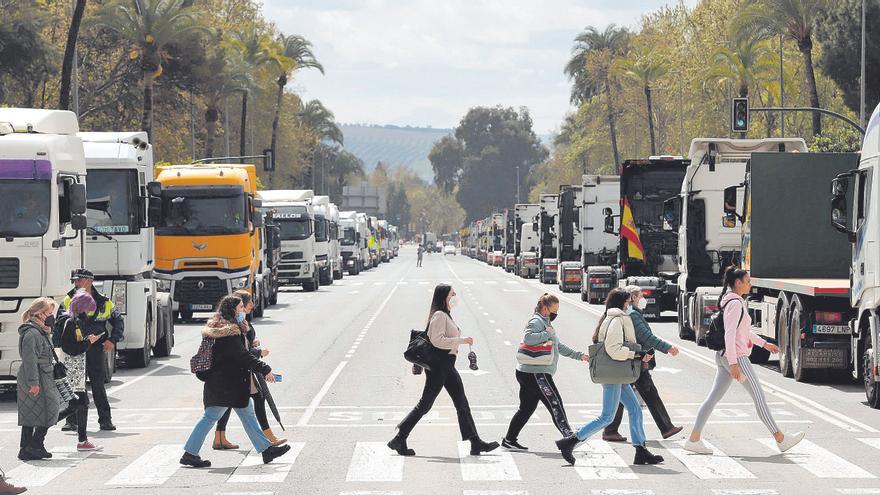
x=739, y=338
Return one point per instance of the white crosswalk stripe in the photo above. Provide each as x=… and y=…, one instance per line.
x=374, y=461
x=41, y=473
x=596, y=460
x=873, y=442
x=617, y=491
x=494, y=492
x=152, y=468
x=369, y=492
x=494, y=466
x=822, y=463
x=859, y=491
x=708, y=467
x=744, y=492
x=252, y=469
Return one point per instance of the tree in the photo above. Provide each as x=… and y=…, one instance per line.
x=590, y=69
x=69, y=52
x=149, y=26
x=447, y=160
x=398, y=206
x=26, y=57
x=645, y=67
x=226, y=76
x=292, y=53
x=254, y=50
x=320, y=124
x=792, y=19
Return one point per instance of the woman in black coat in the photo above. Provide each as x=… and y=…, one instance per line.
x=228, y=384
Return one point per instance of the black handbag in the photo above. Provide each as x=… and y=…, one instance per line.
x=420, y=350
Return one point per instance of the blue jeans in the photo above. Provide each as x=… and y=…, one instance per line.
x=612, y=395
x=210, y=418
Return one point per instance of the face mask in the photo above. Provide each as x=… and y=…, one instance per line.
x=49, y=321
x=629, y=310
x=553, y=316
x=241, y=317
x=453, y=302
x=643, y=303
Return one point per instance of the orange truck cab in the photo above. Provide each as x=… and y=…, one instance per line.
x=207, y=228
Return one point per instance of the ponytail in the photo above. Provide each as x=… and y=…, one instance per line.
x=731, y=275
x=616, y=299
x=545, y=301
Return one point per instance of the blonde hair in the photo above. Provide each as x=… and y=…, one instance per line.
x=38, y=306
x=632, y=289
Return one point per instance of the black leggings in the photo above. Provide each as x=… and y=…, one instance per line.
x=444, y=375
x=259, y=410
x=78, y=412
x=534, y=388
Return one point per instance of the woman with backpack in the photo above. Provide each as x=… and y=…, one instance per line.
x=446, y=337
x=537, y=359
x=228, y=384
x=615, y=329
x=733, y=363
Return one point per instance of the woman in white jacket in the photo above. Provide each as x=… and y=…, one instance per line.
x=615, y=328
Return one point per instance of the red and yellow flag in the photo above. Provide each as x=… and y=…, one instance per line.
x=629, y=232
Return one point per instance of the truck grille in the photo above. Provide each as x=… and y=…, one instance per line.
x=188, y=290
x=9, y=271
x=295, y=255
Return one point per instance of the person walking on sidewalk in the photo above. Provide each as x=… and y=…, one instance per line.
x=228, y=384
x=536, y=380
x=615, y=328
x=445, y=335
x=419, y=255
x=733, y=364
x=645, y=384
x=220, y=441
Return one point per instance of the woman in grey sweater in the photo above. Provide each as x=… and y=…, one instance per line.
x=535, y=374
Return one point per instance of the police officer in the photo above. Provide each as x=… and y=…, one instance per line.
x=96, y=324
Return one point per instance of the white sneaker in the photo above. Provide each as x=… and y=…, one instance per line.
x=789, y=441
x=697, y=447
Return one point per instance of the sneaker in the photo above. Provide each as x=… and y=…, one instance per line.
x=194, y=461
x=108, y=426
x=697, y=447
x=29, y=454
x=86, y=446
x=790, y=441
x=68, y=427
x=513, y=445
x=671, y=433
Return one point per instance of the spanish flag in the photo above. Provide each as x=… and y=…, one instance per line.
x=628, y=231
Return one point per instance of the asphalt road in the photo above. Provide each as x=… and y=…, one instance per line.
x=345, y=386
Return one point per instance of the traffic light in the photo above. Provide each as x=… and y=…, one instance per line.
x=268, y=160
x=740, y=115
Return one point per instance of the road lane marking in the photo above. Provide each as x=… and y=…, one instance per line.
x=507, y=342
x=497, y=465
x=113, y=390
x=708, y=467
x=596, y=460
x=717, y=491
x=497, y=330
x=873, y=442
x=252, y=469
x=374, y=461
x=152, y=468
x=369, y=492
x=41, y=473
x=820, y=462
x=494, y=492
x=616, y=491
x=859, y=491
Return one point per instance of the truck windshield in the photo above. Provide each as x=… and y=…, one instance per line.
x=112, y=201
x=295, y=229
x=321, y=229
x=203, y=211
x=24, y=207
x=349, y=236
x=647, y=190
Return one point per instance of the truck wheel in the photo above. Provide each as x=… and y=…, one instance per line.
x=685, y=332
x=186, y=315
x=273, y=297
x=140, y=358
x=584, y=297
x=258, y=301
x=782, y=326
x=312, y=285
x=872, y=387
x=337, y=275
x=798, y=318
x=165, y=343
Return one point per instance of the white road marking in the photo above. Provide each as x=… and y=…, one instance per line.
x=490, y=282
x=820, y=462
x=497, y=330
x=473, y=372
x=511, y=282
x=664, y=369
x=859, y=491
x=494, y=492
x=368, y=492
x=41, y=473
x=744, y=492
x=708, y=467
x=492, y=322
x=507, y=342
x=374, y=461
x=615, y=491
x=493, y=466
x=252, y=469
x=152, y=468
x=873, y=442
x=596, y=460
x=113, y=390
x=245, y=493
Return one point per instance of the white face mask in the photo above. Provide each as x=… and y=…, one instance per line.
x=643, y=303
x=453, y=302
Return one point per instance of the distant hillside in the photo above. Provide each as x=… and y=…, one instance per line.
x=394, y=145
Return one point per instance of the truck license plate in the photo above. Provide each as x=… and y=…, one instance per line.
x=650, y=300
x=601, y=286
x=831, y=329
x=202, y=307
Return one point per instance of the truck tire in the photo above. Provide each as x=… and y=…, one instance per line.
x=685, y=332
x=109, y=365
x=872, y=387
x=165, y=343
x=337, y=275
x=140, y=358
x=273, y=297
x=258, y=301
x=783, y=311
x=312, y=286
x=798, y=319
x=186, y=315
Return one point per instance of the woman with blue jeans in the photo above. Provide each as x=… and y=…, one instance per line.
x=615, y=328
x=228, y=384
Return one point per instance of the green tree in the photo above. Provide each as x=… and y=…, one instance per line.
x=290, y=54
x=645, y=67
x=224, y=76
x=254, y=52
x=320, y=124
x=27, y=58
x=69, y=51
x=447, y=160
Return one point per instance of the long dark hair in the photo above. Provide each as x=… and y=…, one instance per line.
x=438, y=302
x=617, y=299
x=731, y=275
x=227, y=309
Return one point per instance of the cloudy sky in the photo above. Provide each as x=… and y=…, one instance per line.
x=425, y=62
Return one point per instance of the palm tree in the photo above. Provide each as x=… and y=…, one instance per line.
x=293, y=53
x=228, y=76
x=149, y=26
x=645, y=67
x=794, y=20
x=743, y=65
x=69, y=52
x=320, y=124
x=254, y=51
x=590, y=69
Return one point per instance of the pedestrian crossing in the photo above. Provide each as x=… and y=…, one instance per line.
x=372, y=462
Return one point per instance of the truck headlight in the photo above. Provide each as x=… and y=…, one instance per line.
x=118, y=295
x=240, y=283
x=163, y=285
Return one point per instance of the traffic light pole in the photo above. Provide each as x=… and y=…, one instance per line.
x=811, y=109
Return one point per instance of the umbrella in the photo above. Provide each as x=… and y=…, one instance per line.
x=264, y=390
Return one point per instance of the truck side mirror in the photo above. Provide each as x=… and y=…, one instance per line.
x=79, y=222
x=839, y=215
x=77, y=199
x=607, y=212
x=609, y=224
x=154, y=188
x=671, y=208
x=258, y=219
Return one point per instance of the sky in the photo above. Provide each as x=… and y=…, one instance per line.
x=426, y=62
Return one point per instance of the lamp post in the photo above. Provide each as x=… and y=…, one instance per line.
x=862, y=76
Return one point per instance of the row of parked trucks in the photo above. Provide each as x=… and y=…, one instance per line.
x=162, y=247
x=672, y=225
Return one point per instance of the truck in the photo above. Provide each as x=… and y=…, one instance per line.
x=497, y=239
x=42, y=216
x=364, y=229
x=394, y=240
x=527, y=239
x=326, y=239
x=351, y=241
x=548, y=247
x=799, y=266
x=270, y=263
x=429, y=240
x=599, y=251
x=647, y=253
x=295, y=215
x=569, y=204
x=119, y=242
x=853, y=194
x=207, y=233
x=384, y=241
x=706, y=247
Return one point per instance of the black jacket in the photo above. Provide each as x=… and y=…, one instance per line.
x=229, y=382
x=96, y=323
x=71, y=343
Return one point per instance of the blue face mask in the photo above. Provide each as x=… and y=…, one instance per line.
x=241, y=317
x=629, y=310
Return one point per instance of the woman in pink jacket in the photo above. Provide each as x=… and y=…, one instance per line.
x=733, y=364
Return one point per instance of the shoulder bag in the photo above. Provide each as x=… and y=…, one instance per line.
x=607, y=371
x=420, y=350
x=542, y=354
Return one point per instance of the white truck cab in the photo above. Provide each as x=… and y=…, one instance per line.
x=350, y=242
x=295, y=215
x=600, y=192
x=323, y=236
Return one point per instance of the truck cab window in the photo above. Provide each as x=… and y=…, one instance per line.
x=64, y=214
x=113, y=201
x=864, y=197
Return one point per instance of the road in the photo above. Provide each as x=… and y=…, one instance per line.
x=345, y=385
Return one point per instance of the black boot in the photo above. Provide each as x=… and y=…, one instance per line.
x=274, y=452
x=478, y=446
x=398, y=444
x=566, y=447
x=644, y=456
x=194, y=461
x=29, y=454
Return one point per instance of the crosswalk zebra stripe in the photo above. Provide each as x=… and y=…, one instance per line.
x=41, y=473
x=252, y=469
x=494, y=492
x=152, y=468
x=618, y=491
x=708, y=467
x=374, y=461
x=859, y=491
x=493, y=466
x=369, y=492
x=596, y=460
x=744, y=492
x=820, y=462
x=873, y=442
